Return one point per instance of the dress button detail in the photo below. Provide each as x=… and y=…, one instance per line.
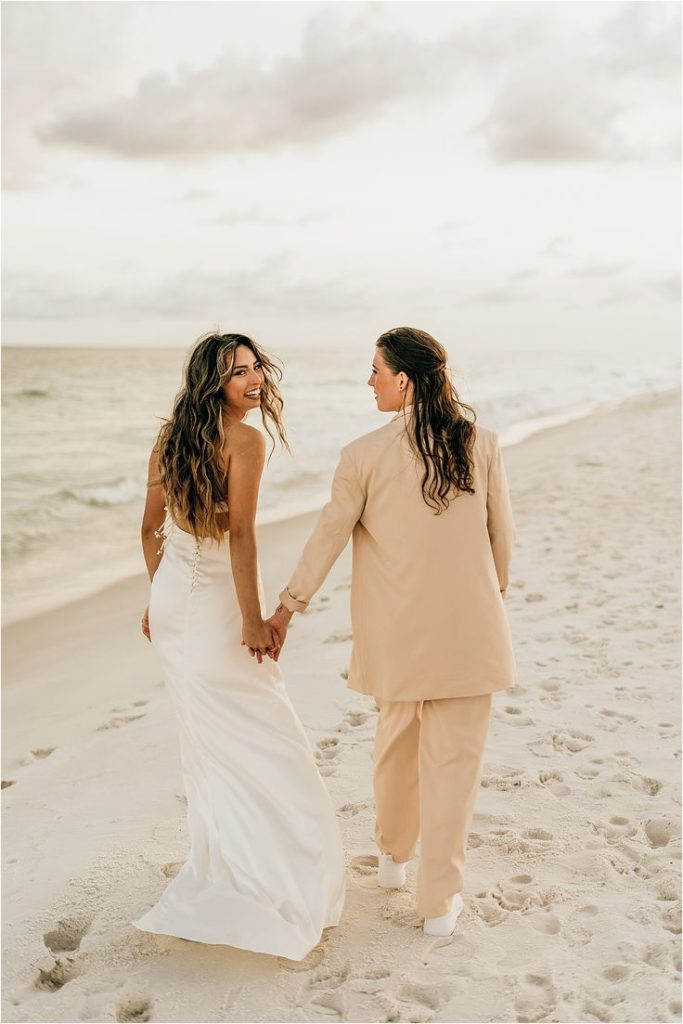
x=195, y=564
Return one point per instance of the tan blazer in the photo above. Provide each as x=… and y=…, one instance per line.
x=426, y=593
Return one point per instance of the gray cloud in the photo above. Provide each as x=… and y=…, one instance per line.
x=555, y=92
x=499, y=296
x=644, y=39
x=195, y=195
x=598, y=270
x=668, y=287
x=255, y=215
x=242, y=294
x=547, y=116
x=54, y=55
x=567, y=96
x=523, y=275
x=340, y=78
x=557, y=246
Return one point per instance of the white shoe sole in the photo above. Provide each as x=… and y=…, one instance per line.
x=390, y=875
x=442, y=927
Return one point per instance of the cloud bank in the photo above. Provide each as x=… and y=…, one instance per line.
x=556, y=92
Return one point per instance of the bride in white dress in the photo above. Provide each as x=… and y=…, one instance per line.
x=265, y=870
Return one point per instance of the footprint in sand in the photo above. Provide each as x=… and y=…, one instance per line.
x=41, y=752
x=571, y=740
x=133, y=1008
x=355, y=718
x=351, y=810
x=519, y=894
x=326, y=995
x=666, y=730
x=327, y=755
x=553, y=692
x=515, y=717
x=488, y=909
x=364, y=865
x=338, y=638
x=536, y=997
x=538, y=835
x=590, y=770
x=400, y=909
x=66, y=937
x=60, y=974
x=369, y=981
x=642, y=783
x=671, y=918
x=117, y=722
x=546, y=922
x=614, y=720
x=413, y=1001
x=553, y=781
x=659, y=831
x=616, y=829
x=505, y=779
x=617, y=972
x=533, y=841
x=566, y=741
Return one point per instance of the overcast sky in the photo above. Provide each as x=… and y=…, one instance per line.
x=314, y=173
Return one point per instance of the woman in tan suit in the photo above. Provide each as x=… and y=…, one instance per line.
x=426, y=500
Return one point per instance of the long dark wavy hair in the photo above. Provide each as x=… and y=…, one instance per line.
x=441, y=428
x=189, y=444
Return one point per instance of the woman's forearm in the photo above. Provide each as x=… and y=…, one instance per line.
x=243, y=557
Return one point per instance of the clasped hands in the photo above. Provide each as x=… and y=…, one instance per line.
x=268, y=636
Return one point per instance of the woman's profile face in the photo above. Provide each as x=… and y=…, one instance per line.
x=242, y=391
x=386, y=385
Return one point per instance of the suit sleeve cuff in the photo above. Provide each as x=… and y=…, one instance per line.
x=292, y=603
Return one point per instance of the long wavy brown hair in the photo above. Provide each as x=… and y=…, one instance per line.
x=441, y=428
x=190, y=443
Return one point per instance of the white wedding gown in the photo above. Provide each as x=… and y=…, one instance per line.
x=265, y=870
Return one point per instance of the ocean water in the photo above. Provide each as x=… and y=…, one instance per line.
x=78, y=426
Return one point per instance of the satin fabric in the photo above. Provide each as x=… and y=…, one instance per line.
x=265, y=870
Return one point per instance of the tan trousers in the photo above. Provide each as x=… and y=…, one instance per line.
x=428, y=759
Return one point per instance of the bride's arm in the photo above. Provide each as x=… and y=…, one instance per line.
x=153, y=516
x=245, y=466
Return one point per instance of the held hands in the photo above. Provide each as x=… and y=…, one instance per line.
x=277, y=624
x=261, y=638
x=280, y=620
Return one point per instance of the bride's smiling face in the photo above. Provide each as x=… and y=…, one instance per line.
x=242, y=391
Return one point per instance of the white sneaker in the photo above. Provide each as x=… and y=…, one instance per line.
x=390, y=875
x=442, y=927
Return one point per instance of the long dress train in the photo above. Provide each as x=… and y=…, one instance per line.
x=265, y=870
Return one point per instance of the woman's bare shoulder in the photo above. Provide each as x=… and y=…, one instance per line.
x=153, y=470
x=242, y=437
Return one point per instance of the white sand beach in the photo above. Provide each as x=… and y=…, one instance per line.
x=572, y=908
